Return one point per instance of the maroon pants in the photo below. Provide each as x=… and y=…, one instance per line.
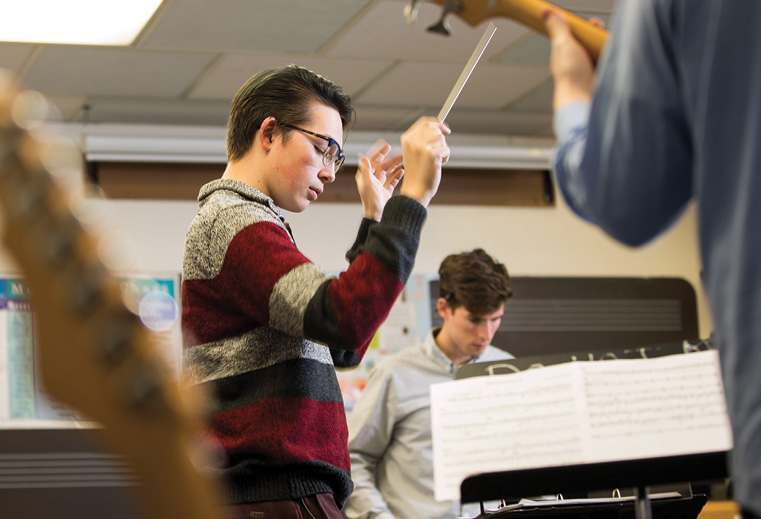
x=319, y=506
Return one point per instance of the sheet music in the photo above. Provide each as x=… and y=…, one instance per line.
x=579, y=412
x=679, y=400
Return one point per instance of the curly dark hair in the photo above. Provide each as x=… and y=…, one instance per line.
x=284, y=93
x=474, y=280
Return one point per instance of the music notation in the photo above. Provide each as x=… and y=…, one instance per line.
x=576, y=413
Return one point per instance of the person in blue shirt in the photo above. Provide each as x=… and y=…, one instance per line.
x=673, y=114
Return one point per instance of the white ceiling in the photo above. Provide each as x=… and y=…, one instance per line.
x=194, y=54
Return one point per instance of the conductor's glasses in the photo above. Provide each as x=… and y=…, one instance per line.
x=332, y=154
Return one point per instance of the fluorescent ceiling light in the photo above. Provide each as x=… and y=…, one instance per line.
x=85, y=22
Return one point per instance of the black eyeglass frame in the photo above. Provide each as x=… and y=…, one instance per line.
x=339, y=157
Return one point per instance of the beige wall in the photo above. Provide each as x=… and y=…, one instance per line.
x=530, y=241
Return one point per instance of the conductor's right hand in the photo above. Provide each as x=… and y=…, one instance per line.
x=425, y=149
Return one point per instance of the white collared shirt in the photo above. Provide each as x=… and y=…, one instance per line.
x=390, y=439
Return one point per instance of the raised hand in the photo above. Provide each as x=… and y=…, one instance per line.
x=376, y=177
x=571, y=65
x=425, y=150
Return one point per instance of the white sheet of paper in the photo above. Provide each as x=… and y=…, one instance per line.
x=574, y=413
x=392, y=340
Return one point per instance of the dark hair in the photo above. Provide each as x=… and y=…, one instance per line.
x=284, y=93
x=474, y=280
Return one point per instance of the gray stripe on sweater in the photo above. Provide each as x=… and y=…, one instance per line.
x=291, y=295
x=221, y=217
x=248, y=352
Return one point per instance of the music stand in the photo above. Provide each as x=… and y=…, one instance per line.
x=684, y=507
x=639, y=474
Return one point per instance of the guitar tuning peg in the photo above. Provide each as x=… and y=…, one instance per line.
x=9, y=146
x=410, y=12
x=442, y=25
x=116, y=336
x=146, y=387
x=32, y=200
x=87, y=290
x=59, y=247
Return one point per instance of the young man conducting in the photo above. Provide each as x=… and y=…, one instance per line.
x=263, y=327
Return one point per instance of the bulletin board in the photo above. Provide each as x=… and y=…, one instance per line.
x=23, y=401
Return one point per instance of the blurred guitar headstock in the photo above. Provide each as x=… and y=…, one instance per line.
x=95, y=355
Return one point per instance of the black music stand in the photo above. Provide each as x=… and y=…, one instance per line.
x=639, y=474
x=685, y=507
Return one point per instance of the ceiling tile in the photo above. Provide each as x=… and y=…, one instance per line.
x=70, y=108
x=534, y=49
x=385, y=117
x=496, y=86
x=13, y=55
x=383, y=32
x=536, y=101
x=412, y=84
x=429, y=84
x=195, y=54
x=158, y=111
x=223, y=79
x=261, y=25
x=108, y=71
x=500, y=123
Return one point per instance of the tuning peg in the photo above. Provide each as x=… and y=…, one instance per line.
x=442, y=25
x=8, y=151
x=410, y=12
x=60, y=245
x=31, y=200
x=87, y=290
x=116, y=336
x=146, y=386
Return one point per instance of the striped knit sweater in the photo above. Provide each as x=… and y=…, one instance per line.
x=264, y=329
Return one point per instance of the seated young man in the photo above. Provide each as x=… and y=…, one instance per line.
x=390, y=440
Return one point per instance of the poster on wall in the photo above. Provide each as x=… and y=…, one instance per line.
x=4, y=384
x=22, y=397
x=155, y=301
x=18, y=337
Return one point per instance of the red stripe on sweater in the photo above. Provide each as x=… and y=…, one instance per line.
x=286, y=430
x=265, y=252
x=237, y=299
x=205, y=318
x=363, y=305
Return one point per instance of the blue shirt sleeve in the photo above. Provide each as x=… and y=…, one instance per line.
x=623, y=162
x=570, y=125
